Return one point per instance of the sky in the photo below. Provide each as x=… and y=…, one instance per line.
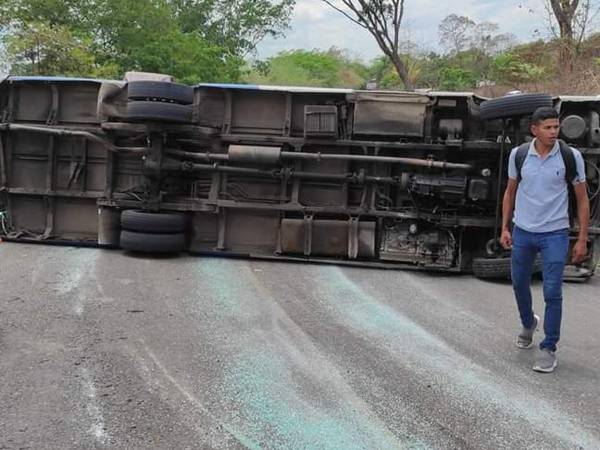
x=316, y=25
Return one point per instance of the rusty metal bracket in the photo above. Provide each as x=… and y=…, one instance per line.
x=4, y=221
x=50, y=169
x=222, y=230
x=153, y=159
x=3, y=173
x=226, y=129
x=308, y=230
x=76, y=168
x=215, y=184
x=279, y=243
x=110, y=175
x=353, y=237
x=284, y=187
x=53, y=113
x=287, y=124
x=50, y=203
x=10, y=107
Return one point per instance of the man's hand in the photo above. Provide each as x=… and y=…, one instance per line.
x=579, y=252
x=506, y=239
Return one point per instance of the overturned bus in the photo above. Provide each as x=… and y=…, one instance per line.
x=373, y=178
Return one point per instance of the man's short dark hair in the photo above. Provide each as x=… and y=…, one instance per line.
x=543, y=113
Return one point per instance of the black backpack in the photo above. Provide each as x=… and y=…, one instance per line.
x=570, y=171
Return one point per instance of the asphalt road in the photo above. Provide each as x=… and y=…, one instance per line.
x=99, y=349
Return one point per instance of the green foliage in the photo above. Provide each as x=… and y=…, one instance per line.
x=144, y=36
x=43, y=49
x=193, y=40
x=236, y=25
x=383, y=71
x=510, y=69
x=209, y=40
x=330, y=68
x=457, y=78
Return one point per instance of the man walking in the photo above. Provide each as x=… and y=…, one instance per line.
x=539, y=175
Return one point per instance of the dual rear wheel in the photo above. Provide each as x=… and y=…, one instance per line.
x=153, y=232
x=158, y=101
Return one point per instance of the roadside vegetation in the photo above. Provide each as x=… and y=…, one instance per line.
x=215, y=40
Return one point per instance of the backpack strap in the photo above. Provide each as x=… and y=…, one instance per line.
x=520, y=158
x=569, y=159
x=565, y=151
x=570, y=174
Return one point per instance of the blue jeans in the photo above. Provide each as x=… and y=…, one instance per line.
x=553, y=247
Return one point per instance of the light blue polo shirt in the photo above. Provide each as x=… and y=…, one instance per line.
x=542, y=202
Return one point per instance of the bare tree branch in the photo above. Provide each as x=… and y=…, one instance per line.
x=573, y=18
x=348, y=16
x=383, y=20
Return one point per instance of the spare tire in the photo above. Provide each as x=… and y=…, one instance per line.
x=143, y=90
x=513, y=105
x=159, y=112
x=489, y=268
x=152, y=243
x=153, y=222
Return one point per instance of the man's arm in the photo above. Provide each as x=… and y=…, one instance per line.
x=583, y=217
x=508, y=205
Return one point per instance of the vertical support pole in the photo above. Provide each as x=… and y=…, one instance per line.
x=353, y=237
x=296, y=183
x=281, y=214
x=345, y=190
x=84, y=165
x=6, y=154
x=287, y=124
x=279, y=244
x=372, y=188
x=51, y=164
x=50, y=203
x=222, y=237
x=53, y=113
x=308, y=230
x=366, y=189
x=152, y=167
x=110, y=174
x=12, y=102
x=215, y=184
x=3, y=175
x=228, y=113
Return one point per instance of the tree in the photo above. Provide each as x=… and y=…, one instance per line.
x=573, y=18
x=487, y=40
x=194, y=40
x=238, y=26
x=456, y=33
x=386, y=75
x=470, y=49
x=45, y=49
x=145, y=35
x=460, y=33
x=383, y=20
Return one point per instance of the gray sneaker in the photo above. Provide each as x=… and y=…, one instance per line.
x=546, y=361
x=525, y=337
